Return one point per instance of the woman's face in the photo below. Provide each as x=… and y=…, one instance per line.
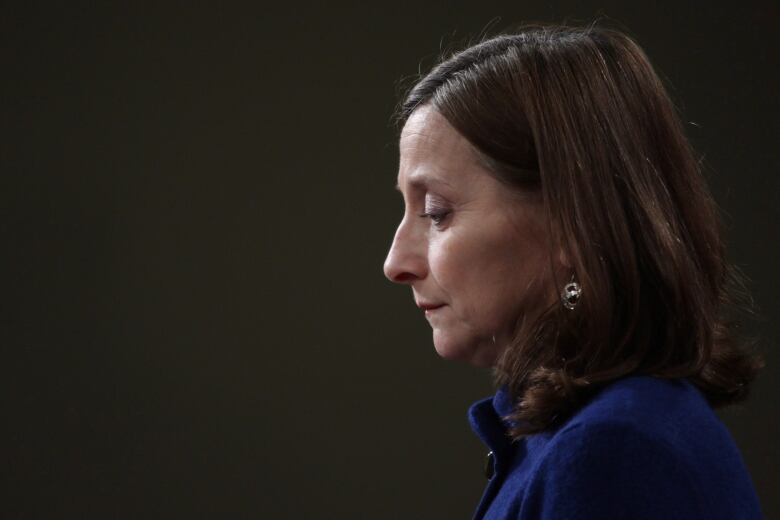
x=466, y=243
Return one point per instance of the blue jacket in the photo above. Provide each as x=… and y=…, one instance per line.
x=641, y=448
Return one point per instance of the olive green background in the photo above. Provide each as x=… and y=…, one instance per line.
x=196, y=204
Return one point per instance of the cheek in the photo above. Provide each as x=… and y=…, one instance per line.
x=472, y=270
x=443, y=268
x=451, y=258
x=527, y=281
x=495, y=276
x=491, y=271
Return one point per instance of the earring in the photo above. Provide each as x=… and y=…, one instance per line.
x=571, y=294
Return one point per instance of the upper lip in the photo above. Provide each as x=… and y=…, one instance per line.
x=428, y=305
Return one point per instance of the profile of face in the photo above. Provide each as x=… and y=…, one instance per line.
x=467, y=244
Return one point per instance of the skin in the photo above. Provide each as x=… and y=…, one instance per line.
x=468, y=242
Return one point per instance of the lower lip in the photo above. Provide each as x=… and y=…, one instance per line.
x=429, y=311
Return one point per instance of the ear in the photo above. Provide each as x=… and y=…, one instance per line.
x=563, y=258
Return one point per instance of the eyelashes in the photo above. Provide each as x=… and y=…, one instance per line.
x=436, y=217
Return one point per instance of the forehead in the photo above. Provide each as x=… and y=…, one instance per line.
x=433, y=151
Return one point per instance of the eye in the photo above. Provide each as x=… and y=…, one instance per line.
x=436, y=217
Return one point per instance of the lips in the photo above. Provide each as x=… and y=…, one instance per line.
x=432, y=310
x=429, y=306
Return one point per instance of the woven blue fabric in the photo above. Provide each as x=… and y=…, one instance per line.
x=641, y=448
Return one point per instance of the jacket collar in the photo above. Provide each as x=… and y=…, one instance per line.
x=486, y=418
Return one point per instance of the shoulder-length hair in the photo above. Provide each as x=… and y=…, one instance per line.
x=580, y=115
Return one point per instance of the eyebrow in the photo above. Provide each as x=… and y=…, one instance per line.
x=423, y=181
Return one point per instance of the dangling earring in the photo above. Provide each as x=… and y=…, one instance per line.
x=571, y=294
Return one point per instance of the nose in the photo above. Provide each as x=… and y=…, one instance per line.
x=406, y=260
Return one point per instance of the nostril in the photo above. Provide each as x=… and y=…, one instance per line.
x=396, y=273
x=404, y=277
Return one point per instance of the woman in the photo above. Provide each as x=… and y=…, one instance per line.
x=558, y=229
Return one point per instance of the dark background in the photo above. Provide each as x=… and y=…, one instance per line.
x=196, y=205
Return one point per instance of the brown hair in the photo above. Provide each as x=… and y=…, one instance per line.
x=579, y=114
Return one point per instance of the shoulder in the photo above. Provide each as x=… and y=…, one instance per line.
x=667, y=412
x=644, y=399
x=611, y=469
x=642, y=448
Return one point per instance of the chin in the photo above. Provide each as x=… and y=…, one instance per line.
x=472, y=354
